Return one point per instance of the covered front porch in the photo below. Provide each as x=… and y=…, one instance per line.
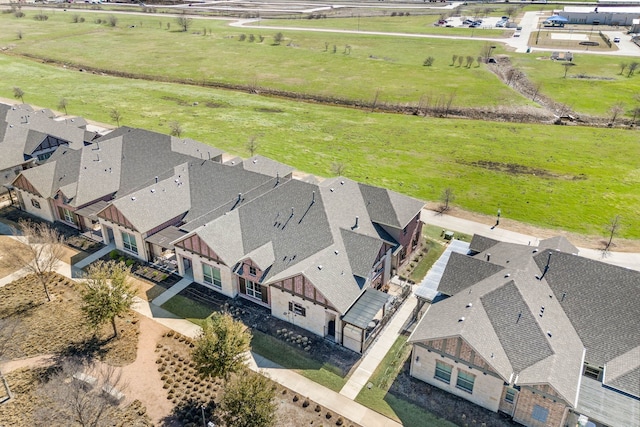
x=364, y=320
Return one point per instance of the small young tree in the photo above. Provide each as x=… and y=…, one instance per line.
x=278, y=38
x=566, y=66
x=454, y=58
x=469, y=61
x=446, y=198
x=221, y=347
x=45, y=249
x=107, y=293
x=248, y=401
x=338, y=168
x=184, y=22
x=112, y=21
x=62, y=105
x=18, y=93
x=68, y=397
x=615, y=110
x=175, y=128
x=252, y=144
x=428, y=62
x=632, y=68
x=115, y=116
x=460, y=60
x=623, y=66
x=242, y=37
x=612, y=229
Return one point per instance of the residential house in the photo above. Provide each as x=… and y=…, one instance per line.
x=538, y=333
x=74, y=185
x=315, y=255
x=28, y=137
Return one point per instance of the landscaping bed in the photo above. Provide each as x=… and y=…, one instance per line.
x=190, y=393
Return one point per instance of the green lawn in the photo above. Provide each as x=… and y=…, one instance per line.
x=292, y=358
x=389, y=405
x=189, y=309
x=572, y=178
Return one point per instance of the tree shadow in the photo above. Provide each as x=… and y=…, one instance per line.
x=191, y=412
x=85, y=350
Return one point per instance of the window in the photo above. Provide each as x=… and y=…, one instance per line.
x=297, y=309
x=252, y=270
x=465, y=381
x=129, y=242
x=510, y=395
x=539, y=413
x=35, y=203
x=211, y=275
x=44, y=156
x=443, y=372
x=67, y=215
x=253, y=289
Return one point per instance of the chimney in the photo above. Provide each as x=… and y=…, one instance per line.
x=488, y=257
x=156, y=179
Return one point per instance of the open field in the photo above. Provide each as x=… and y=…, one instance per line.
x=305, y=61
x=574, y=178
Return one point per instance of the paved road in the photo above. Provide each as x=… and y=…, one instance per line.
x=621, y=259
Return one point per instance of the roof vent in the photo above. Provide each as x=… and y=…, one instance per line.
x=320, y=267
x=336, y=252
x=341, y=182
x=255, y=161
x=549, y=334
x=535, y=250
x=507, y=275
x=461, y=319
x=153, y=190
x=133, y=198
x=331, y=189
x=469, y=305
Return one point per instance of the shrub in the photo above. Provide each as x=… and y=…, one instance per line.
x=242, y=37
x=41, y=17
x=112, y=21
x=114, y=254
x=428, y=62
x=18, y=14
x=129, y=262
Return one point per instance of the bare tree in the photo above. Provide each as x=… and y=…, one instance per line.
x=18, y=93
x=623, y=66
x=184, y=22
x=469, y=61
x=338, y=168
x=176, y=128
x=62, y=105
x=446, y=198
x=612, y=229
x=566, y=66
x=252, y=144
x=615, y=111
x=45, y=249
x=81, y=393
x=428, y=62
x=115, y=116
x=632, y=68
x=460, y=60
x=278, y=38
x=7, y=329
x=454, y=58
x=536, y=91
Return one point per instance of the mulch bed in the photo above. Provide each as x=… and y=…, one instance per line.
x=258, y=317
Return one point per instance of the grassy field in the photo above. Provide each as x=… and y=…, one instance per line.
x=573, y=178
x=304, y=62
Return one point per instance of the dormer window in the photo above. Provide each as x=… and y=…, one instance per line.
x=252, y=270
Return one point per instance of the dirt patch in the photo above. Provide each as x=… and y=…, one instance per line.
x=517, y=169
x=9, y=262
x=443, y=404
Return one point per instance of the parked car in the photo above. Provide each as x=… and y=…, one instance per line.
x=616, y=39
x=516, y=34
x=467, y=22
x=500, y=24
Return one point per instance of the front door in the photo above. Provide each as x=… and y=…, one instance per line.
x=331, y=328
x=110, y=235
x=186, y=263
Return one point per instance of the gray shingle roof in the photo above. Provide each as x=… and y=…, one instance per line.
x=463, y=271
x=516, y=327
x=388, y=207
x=481, y=243
x=602, y=301
x=559, y=243
x=266, y=166
x=362, y=251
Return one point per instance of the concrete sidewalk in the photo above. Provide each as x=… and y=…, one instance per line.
x=172, y=291
x=448, y=222
x=378, y=349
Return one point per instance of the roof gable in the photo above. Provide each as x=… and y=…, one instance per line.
x=463, y=271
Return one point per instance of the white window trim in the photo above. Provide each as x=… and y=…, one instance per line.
x=213, y=281
x=127, y=245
